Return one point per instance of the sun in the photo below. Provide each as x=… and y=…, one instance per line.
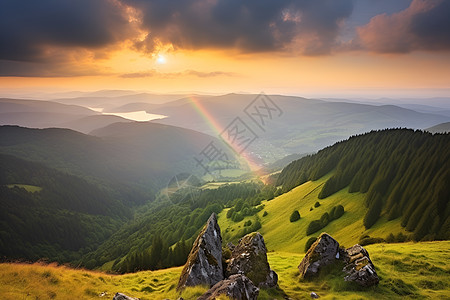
x=161, y=59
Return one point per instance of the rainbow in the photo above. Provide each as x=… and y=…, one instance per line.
x=218, y=129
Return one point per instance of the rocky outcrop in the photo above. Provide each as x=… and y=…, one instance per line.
x=324, y=251
x=249, y=257
x=120, y=296
x=359, y=267
x=237, y=287
x=204, y=263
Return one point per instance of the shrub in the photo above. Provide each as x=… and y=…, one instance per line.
x=237, y=217
x=314, y=226
x=309, y=242
x=325, y=219
x=338, y=212
x=401, y=237
x=367, y=240
x=390, y=238
x=265, y=213
x=230, y=212
x=317, y=204
x=248, y=223
x=294, y=216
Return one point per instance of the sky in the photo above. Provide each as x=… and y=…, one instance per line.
x=327, y=48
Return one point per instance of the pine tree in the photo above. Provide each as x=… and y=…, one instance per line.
x=373, y=213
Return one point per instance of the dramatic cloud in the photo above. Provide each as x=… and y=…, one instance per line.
x=246, y=25
x=30, y=31
x=28, y=27
x=424, y=25
x=154, y=73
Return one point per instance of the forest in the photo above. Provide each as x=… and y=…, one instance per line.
x=404, y=174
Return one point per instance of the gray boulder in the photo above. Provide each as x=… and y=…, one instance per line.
x=359, y=268
x=249, y=257
x=237, y=287
x=204, y=263
x=120, y=296
x=324, y=251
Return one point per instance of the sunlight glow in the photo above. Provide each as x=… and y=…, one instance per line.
x=161, y=59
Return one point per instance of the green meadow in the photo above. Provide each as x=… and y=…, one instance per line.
x=406, y=270
x=282, y=235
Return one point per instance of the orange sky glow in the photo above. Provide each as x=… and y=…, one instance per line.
x=356, y=66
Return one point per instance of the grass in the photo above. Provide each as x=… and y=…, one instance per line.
x=38, y=281
x=408, y=270
x=282, y=235
x=28, y=188
x=216, y=185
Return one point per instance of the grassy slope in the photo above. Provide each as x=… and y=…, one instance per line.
x=282, y=235
x=28, y=188
x=412, y=270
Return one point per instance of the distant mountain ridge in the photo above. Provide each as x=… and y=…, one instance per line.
x=306, y=125
x=440, y=128
x=48, y=114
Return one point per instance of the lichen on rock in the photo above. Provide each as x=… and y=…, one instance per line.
x=325, y=251
x=237, y=287
x=322, y=252
x=249, y=257
x=204, y=263
x=359, y=268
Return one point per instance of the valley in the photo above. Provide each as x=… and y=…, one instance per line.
x=129, y=218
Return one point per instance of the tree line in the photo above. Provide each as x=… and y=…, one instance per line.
x=404, y=174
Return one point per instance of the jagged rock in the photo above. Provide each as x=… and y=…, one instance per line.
x=120, y=296
x=359, y=267
x=237, y=287
x=324, y=251
x=249, y=257
x=230, y=246
x=204, y=263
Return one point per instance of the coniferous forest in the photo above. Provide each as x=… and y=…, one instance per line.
x=403, y=173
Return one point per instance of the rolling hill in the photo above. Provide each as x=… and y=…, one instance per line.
x=305, y=125
x=90, y=183
x=46, y=114
x=411, y=191
x=314, y=185
x=137, y=159
x=440, y=128
x=48, y=214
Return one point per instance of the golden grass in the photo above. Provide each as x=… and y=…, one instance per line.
x=38, y=281
x=408, y=270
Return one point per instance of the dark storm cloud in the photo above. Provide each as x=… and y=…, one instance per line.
x=28, y=27
x=424, y=25
x=432, y=28
x=245, y=25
